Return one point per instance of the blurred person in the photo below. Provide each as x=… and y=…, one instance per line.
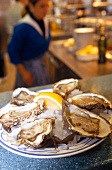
x=14, y=14
x=29, y=44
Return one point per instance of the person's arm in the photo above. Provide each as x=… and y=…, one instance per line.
x=26, y=76
x=15, y=47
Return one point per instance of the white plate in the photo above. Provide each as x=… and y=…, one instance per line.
x=109, y=56
x=87, y=57
x=82, y=146
x=90, y=57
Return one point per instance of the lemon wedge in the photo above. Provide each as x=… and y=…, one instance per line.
x=51, y=100
x=88, y=50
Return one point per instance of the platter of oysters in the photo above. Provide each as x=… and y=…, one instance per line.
x=54, y=123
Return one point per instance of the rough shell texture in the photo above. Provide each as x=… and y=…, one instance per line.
x=85, y=122
x=22, y=96
x=90, y=101
x=12, y=115
x=64, y=87
x=31, y=133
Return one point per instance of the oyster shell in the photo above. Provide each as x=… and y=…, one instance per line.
x=90, y=101
x=64, y=87
x=31, y=133
x=22, y=96
x=85, y=122
x=12, y=115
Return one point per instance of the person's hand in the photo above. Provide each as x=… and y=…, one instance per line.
x=26, y=75
x=28, y=78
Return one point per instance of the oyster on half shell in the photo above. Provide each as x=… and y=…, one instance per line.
x=90, y=101
x=12, y=115
x=64, y=87
x=31, y=133
x=22, y=96
x=84, y=122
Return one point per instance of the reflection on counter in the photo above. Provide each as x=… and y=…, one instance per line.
x=79, y=68
x=88, y=53
x=59, y=70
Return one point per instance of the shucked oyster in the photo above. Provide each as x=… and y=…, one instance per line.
x=90, y=101
x=64, y=87
x=12, y=115
x=43, y=132
x=22, y=96
x=85, y=122
x=31, y=133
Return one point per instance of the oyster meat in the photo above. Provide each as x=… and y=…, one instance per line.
x=22, y=96
x=90, y=101
x=84, y=122
x=31, y=133
x=29, y=123
x=64, y=87
x=12, y=115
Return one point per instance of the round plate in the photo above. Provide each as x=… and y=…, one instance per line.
x=80, y=147
x=86, y=57
x=51, y=152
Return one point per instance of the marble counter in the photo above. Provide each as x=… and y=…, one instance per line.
x=99, y=157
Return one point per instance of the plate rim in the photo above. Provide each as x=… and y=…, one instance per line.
x=69, y=152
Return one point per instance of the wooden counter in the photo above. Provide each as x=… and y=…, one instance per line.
x=81, y=69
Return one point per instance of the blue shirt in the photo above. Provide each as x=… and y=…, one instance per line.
x=26, y=44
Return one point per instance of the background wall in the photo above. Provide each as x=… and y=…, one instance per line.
x=3, y=7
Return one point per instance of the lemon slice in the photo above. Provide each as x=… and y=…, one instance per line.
x=110, y=121
x=51, y=100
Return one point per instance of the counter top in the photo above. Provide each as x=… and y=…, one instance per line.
x=82, y=69
x=99, y=157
